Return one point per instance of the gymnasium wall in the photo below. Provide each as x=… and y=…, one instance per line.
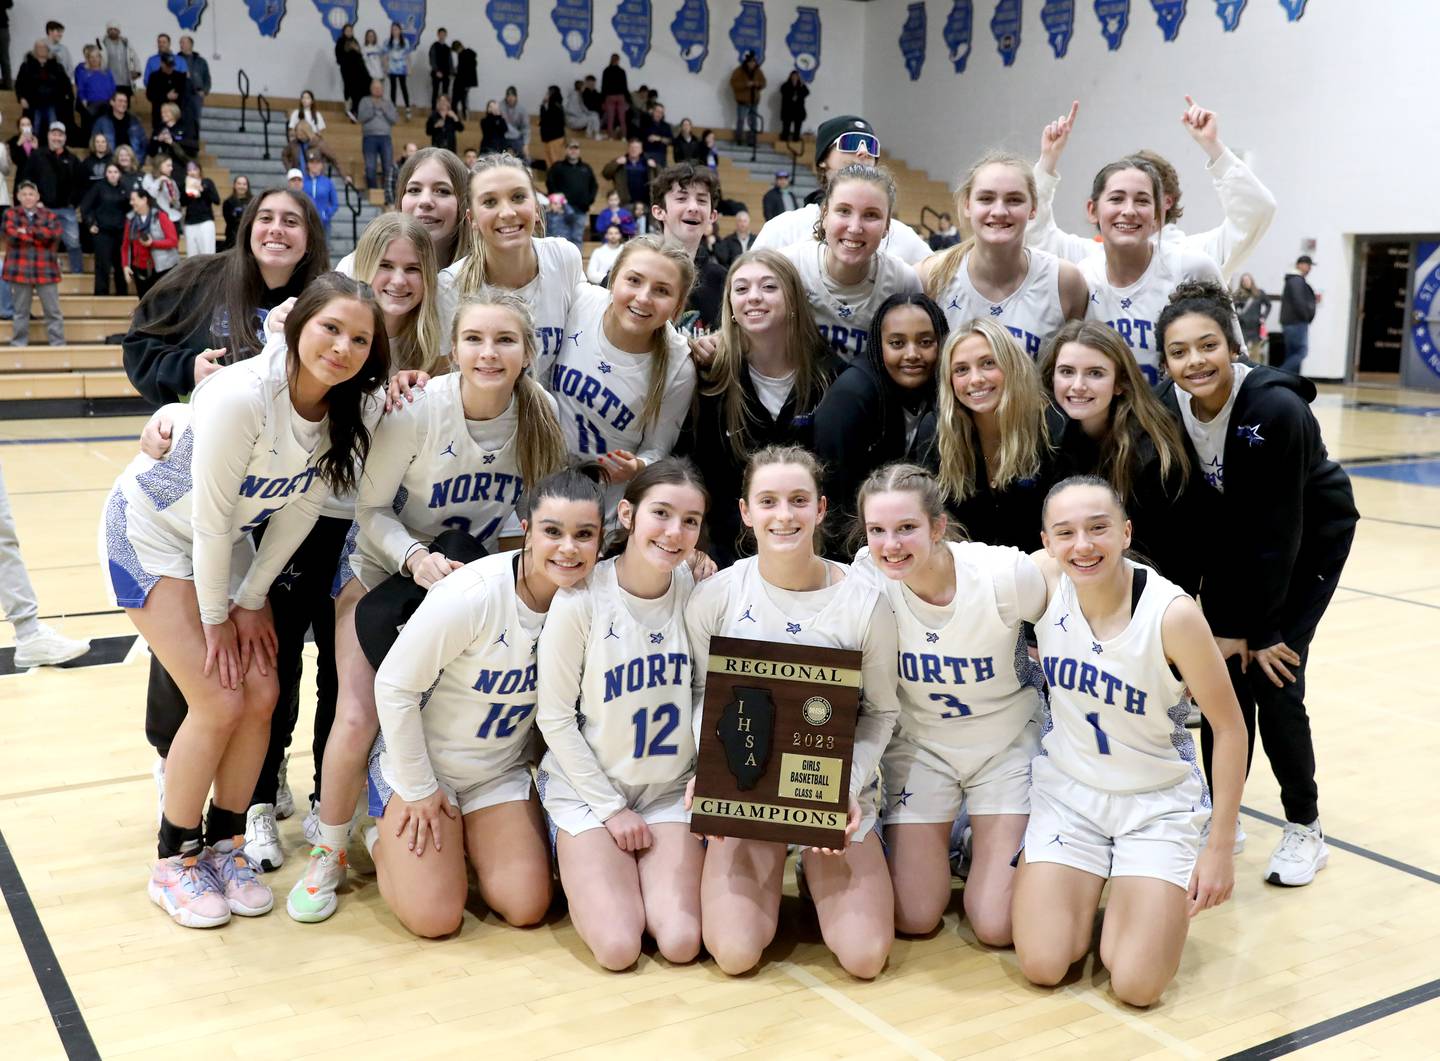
x=302, y=55
x=1331, y=111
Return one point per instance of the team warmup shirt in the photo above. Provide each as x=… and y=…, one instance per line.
x=245, y=458
x=1031, y=313
x=798, y=225
x=549, y=296
x=1117, y=710
x=1132, y=311
x=849, y=614
x=843, y=312
x=600, y=389
x=615, y=678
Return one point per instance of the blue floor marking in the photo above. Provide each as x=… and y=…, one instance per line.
x=1418, y=473
x=52, y=441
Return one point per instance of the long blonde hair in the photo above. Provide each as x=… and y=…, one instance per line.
x=459, y=177
x=1024, y=435
x=1134, y=410
x=947, y=262
x=417, y=346
x=673, y=252
x=539, y=442
x=803, y=343
x=472, y=274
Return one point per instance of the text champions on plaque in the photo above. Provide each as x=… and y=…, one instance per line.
x=776, y=741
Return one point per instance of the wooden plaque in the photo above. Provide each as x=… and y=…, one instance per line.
x=776, y=741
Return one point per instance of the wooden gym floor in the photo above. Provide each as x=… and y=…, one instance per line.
x=1345, y=968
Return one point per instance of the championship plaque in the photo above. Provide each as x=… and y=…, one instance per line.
x=775, y=745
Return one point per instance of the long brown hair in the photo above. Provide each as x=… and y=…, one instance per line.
x=459, y=176
x=947, y=262
x=659, y=343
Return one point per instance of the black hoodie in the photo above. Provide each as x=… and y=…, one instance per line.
x=1287, y=513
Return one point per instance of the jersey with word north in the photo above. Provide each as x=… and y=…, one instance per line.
x=548, y=295
x=1030, y=313
x=843, y=312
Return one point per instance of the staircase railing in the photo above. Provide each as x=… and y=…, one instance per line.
x=354, y=199
x=757, y=126
x=242, y=82
x=262, y=107
x=926, y=213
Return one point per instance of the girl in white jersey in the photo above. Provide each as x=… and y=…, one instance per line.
x=844, y=271
x=788, y=594
x=456, y=457
x=266, y=439
x=624, y=379
x=456, y=696
x=1030, y=292
x=970, y=701
x=1131, y=282
x=615, y=676
x=1117, y=794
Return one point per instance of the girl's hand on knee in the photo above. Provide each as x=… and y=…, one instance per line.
x=155, y=438
x=628, y=830
x=1276, y=661
x=420, y=821
x=852, y=823
x=1213, y=878
x=222, y=653
x=255, y=637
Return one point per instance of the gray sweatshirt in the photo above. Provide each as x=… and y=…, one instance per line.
x=376, y=116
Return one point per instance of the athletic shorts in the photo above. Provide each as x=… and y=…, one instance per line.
x=510, y=785
x=925, y=782
x=354, y=565
x=1135, y=834
x=658, y=804
x=136, y=554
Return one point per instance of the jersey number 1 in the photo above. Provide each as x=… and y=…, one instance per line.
x=666, y=717
x=1100, y=739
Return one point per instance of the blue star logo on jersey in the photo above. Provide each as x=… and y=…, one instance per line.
x=449, y=450
x=1124, y=303
x=656, y=639
x=605, y=366
x=489, y=458
x=611, y=634
x=792, y=628
x=501, y=639
x=845, y=312
x=1060, y=622
x=746, y=616
x=931, y=637
x=1095, y=647
x=996, y=311
x=902, y=798
x=287, y=578
x=1250, y=433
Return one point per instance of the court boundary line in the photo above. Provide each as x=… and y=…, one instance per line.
x=855, y=1011
x=1390, y=596
x=1354, y=849
x=1358, y=1017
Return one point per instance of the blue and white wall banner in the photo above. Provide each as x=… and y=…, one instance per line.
x=632, y=25
x=803, y=40
x=1005, y=25
x=1426, y=305
x=957, y=33
x=187, y=12
x=337, y=14
x=1114, y=16
x=1293, y=9
x=691, y=30
x=267, y=14
x=575, y=20
x=912, y=39
x=1168, y=15
x=1229, y=12
x=411, y=16
x=748, y=32
x=511, y=19
x=1058, y=17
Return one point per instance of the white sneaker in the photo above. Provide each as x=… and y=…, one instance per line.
x=311, y=825
x=1239, y=836
x=46, y=648
x=284, y=798
x=313, y=898
x=157, y=771
x=1300, y=855
x=262, y=838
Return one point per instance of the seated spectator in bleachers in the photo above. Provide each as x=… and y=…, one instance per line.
x=233, y=208
x=945, y=235
x=615, y=214
x=578, y=114
x=94, y=86
x=443, y=125
x=305, y=144
x=492, y=130
x=573, y=178
x=737, y=243
x=517, y=124
x=687, y=147
x=602, y=258
x=631, y=173
x=470, y=157
x=168, y=84
x=295, y=180
x=170, y=137
x=712, y=153
x=321, y=190
x=594, y=101
x=658, y=135
x=120, y=126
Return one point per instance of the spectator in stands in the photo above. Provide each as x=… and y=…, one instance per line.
x=517, y=124
x=467, y=76
x=43, y=87
x=792, y=105
x=167, y=83
x=712, y=153
x=148, y=251
x=162, y=48
x=578, y=115
x=170, y=136
x=377, y=117
x=199, y=84
x=397, y=65
x=200, y=199
x=747, y=82
x=358, y=67
x=120, y=59
x=658, y=135
x=737, y=243
x=687, y=147
x=615, y=96
x=442, y=68
x=1252, y=307
x=32, y=234
x=60, y=177
x=573, y=178
x=233, y=208
x=295, y=180
x=120, y=126
x=161, y=186
x=631, y=173
x=492, y=130
x=945, y=235
x=55, y=33
x=781, y=197
x=321, y=190
x=94, y=165
x=471, y=156
x=552, y=126
x=442, y=125
x=94, y=88
x=306, y=112
x=615, y=214
x=7, y=166
x=23, y=145
x=6, y=83
x=602, y=258
x=104, y=208
x=130, y=174
x=375, y=59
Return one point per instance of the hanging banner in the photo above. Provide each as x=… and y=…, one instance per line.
x=575, y=19
x=1114, y=16
x=411, y=16
x=187, y=12
x=803, y=40
x=337, y=14
x=632, y=25
x=1058, y=17
x=956, y=34
x=1168, y=15
x=511, y=19
x=267, y=15
x=1229, y=12
x=912, y=39
x=1005, y=25
x=691, y=30
x=748, y=32
x=1293, y=9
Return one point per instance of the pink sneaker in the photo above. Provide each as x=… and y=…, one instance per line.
x=245, y=893
x=184, y=888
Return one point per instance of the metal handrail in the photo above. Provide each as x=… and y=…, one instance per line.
x=262, y=108
x=242, y=82
x=929, y=228
x=355, y=201
x=756, y=128
x=794, y=154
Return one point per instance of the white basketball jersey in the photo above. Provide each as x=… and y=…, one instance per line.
x=795, y=226
x=1132, y=311
x=477, y=705
x=1031, y=312
x=1117, y=715
x=843, y=313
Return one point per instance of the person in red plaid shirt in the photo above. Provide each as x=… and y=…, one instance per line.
x=33, y=233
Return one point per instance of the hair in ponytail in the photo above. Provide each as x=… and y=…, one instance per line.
x=673, y=252
x=667, y=471
x=1208, y=299
x=947, y=263
x=472, y=276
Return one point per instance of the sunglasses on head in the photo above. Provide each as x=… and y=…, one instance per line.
x=854, y=143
